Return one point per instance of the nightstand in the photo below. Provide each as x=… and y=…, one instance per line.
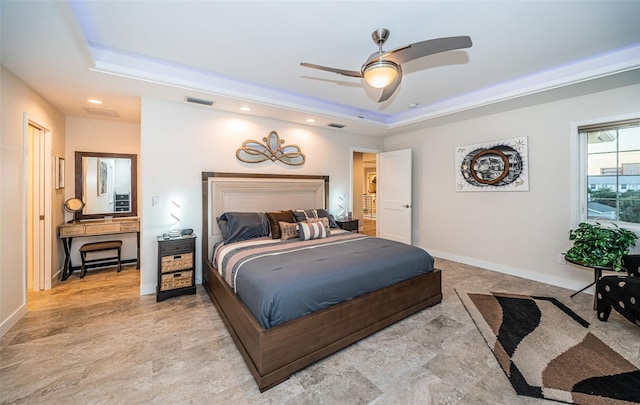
x=348, y=224
x=176, y=266
x=123, y=203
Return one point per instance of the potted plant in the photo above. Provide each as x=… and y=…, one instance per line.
x=595, y=244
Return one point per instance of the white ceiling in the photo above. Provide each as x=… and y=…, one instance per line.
x=248, y=53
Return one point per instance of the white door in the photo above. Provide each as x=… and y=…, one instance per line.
x=38, y=201
x=394, y=195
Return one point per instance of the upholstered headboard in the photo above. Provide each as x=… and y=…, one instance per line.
x=222, y=192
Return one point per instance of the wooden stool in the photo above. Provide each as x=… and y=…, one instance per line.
x=99, y=247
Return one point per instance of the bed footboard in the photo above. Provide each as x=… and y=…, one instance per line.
x=274, y=354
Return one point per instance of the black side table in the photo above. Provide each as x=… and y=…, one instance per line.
x=597, y=273
x=176, y=266
x=348, y=224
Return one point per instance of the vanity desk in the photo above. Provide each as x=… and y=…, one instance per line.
x=95, y=227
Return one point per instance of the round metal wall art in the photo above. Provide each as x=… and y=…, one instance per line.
x=496, y=166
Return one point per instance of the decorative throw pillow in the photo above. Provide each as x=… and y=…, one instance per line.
x=323, y=221
x=245, y=225
x=322, y=213
x=303, y=215
x=274, y=221
x=314, y=230
x=288, y=230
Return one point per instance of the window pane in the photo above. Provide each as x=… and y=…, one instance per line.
x=613, y=174
x=629, y=158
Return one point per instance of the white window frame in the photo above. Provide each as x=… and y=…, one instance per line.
x=578, y=181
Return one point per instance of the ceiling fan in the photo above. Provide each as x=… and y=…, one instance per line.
x=382, y=70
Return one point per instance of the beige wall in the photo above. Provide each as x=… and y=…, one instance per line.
x=181, y=141
x=89, y=135
x=16, y=100
x=521, y=233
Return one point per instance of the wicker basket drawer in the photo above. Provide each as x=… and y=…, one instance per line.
x=176, y=262
x=176, y=280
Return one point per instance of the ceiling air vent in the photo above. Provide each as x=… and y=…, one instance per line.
x=200, y=101
x=334, y=125
x=101, y=112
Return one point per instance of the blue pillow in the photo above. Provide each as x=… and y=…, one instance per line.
x=245, y=225
x=222, y=224
x=322, y=213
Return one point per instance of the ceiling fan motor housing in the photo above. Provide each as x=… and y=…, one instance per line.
x=380, y=36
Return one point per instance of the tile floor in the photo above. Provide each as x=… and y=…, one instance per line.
x=95, y=340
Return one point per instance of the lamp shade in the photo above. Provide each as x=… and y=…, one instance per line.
x=380, y=74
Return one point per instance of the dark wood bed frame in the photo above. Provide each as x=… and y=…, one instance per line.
x=274, y=354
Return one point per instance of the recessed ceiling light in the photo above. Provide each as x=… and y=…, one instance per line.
x=94, y=101
x=245, y=108
x=310, y=120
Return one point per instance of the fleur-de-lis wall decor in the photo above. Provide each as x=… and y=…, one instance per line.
x=271, y=148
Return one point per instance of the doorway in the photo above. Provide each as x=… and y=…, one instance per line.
x=393, y=189
x=364, y=190
x=38, y=207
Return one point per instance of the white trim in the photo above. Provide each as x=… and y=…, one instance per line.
x=132, y=66
x=49, y=190
x=515, y=271
x=577, y=152
x=599, y=66
x=13, y=318
x=25, y=185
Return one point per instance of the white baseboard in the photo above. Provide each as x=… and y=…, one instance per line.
x=9, y=323
x=514, y=271
x=55, y=278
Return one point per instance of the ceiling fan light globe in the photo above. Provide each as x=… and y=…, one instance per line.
x=380, y=74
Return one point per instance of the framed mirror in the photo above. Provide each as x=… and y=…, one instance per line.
x=107, y=183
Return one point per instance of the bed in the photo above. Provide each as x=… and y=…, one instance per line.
x=274, y=350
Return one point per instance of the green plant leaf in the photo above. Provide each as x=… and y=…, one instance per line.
x=595, y=244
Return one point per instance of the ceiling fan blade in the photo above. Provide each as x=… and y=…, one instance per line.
x=350, y=73
x=428, y=47
x=391, y=88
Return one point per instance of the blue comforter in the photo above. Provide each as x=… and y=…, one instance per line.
x=280, y=281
